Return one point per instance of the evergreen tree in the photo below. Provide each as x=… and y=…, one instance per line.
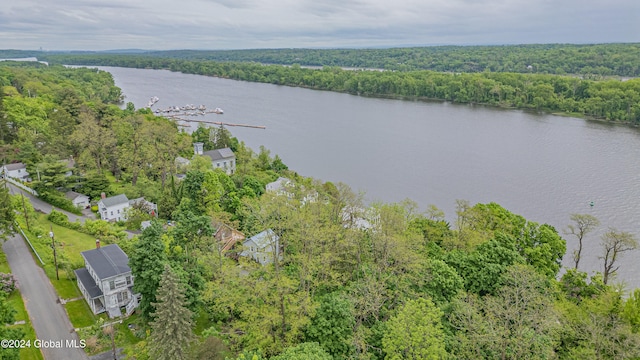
x=172, y=328
x=147, y=264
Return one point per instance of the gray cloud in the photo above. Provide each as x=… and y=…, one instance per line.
x=224, y=24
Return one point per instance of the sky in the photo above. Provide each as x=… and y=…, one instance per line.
x=251, y=24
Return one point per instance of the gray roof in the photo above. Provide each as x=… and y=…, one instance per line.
x=88, y=283
x=16, y=166
x=107, y=261
x=72, y=195
x=264, y=238
x=115, y=200
x=219, y=154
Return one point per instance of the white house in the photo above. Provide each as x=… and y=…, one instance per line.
x=113, y=208
x=106, y=280
x=78, y=200
x=282, y=186
x=16, y=171
x=223, y=158
x=262, y=247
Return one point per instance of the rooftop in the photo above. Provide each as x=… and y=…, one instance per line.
x=219, y=154
x=107, y=261
x=16, y=166
x=264, y=238
x=115, y=200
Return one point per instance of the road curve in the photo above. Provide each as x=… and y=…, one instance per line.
x=48, y=316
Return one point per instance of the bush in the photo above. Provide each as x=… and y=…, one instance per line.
x=56, y=199
x=7, y=283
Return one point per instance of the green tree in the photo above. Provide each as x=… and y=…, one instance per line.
x=332, y=325
x=307, y=351
x=171, y=330
x=147, y=265
x=415, y=332
x=583, y=224
x=7, y=216
x=519, y=322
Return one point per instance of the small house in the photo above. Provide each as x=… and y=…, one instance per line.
x=79, y=200
x=106, y=281
x=113, y=208
x=16, y=171
x=282, y=186
x=223, y=158
x=262, y=247
x=227, y=237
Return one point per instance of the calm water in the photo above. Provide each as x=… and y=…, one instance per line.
x=543, y=167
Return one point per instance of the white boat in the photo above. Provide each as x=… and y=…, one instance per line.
x=218, y=111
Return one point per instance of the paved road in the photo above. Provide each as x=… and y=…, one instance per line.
x=43, y=206
x=48, y=317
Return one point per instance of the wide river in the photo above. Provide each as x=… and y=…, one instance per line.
x=541, y=166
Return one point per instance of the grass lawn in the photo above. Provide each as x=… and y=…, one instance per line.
x=69, y=245
x=80, y=314
x=15, y=300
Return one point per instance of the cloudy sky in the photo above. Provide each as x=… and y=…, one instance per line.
x=241, y=24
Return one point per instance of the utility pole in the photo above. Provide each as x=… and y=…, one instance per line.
x=24, y=209
x=53, y=245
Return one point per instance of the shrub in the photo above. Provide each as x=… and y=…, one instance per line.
x=7, y=283
x=56, y=199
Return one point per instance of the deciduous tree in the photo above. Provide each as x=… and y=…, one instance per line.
x=614, y=243
x=583, y=224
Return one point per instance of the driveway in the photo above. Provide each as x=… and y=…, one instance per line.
x=48, y=316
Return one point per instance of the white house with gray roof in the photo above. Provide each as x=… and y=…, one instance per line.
x=78, y=200
x=16, y=171
x=262, y=247
x=223, y=158
x=113, y=208
x=106, y=280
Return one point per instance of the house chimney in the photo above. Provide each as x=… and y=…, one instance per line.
x=198, y=148
x=103, y=196
x=97, y=243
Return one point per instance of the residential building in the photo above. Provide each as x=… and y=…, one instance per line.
x=262, y=247
x=78, y=200
x=16, y=171
x=227, y=237
x=223, y=158
x=113, y=208
x=106, y=281
x=282, y=186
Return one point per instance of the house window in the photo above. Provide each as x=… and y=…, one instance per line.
x=128, y=280
x=112, y=213
x=112, y=285
x=225, y=164
x=218, y=164
x=123, y=296
x=118, y=211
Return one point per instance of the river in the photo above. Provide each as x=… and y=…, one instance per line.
x=541, y=166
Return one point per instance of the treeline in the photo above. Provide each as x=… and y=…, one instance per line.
x=560, y=59
x=601, y=99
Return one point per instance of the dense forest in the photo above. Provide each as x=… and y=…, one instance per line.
x=587, y=95
x=560, y=59
x=347, y=281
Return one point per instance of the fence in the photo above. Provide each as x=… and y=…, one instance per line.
x=29, y=242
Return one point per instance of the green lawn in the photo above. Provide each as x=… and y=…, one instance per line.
x=80, y=314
